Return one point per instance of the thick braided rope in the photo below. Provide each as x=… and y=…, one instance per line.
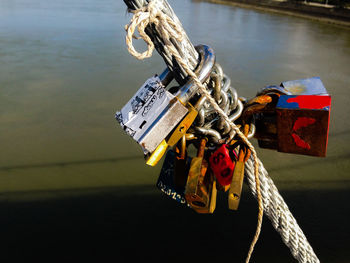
x=281, y=218
x=167, y=28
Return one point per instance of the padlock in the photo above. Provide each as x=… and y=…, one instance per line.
x=235, y=192
x=151, y=105
x=303, y=123
x=153, y=158
x=222, y=163
x=213, y=195
x=166, y=180
x=181, y=164
x=197, y=191
x=183, y=126
x=153, y=113
x=300, y=122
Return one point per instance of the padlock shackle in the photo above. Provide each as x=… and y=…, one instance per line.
x=203, y=70
x=182, y=148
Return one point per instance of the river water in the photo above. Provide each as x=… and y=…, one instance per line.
x=74, y=186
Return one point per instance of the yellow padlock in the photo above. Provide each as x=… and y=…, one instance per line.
x=197, y=192
x=235, y=192
x=157, y=154
x=183, y=126
x=213, y=195
x=174, y=137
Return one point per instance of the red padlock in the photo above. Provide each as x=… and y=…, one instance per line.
x=222, y=164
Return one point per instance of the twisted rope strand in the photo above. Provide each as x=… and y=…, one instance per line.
x=168, y=29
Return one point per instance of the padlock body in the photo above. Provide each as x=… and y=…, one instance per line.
x=234, y=194
x=166, y=180
x=196, y=191
x=300, y=122
x=222, y=165
x=303, y=124
x=181, y=129
x=266, y=129
x=151, y=114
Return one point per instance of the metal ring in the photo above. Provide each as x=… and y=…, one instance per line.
x=273, y=89
x=226, y=82
x=215, y=135
x=238, y=111
x=252, y=130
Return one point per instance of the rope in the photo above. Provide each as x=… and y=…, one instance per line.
x=152, y=14
x=185, y=47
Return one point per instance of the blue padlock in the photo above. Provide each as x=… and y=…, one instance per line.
x=166, y=180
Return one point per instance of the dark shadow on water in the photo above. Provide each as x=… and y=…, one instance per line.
x=131, y=224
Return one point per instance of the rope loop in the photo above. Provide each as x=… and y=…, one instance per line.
x=150, y=14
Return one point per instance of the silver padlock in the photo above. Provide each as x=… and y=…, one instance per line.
x=153, y=112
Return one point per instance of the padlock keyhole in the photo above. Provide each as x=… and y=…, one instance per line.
x=143, y=124
x=198, y=203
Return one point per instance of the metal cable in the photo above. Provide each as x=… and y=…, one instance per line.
x=280, y=216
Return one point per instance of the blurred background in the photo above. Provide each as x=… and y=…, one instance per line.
x=74, y=186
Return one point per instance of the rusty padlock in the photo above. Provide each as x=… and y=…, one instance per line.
x=300, y=121
x=303, y=123
x=235, y=192
x=197, y=192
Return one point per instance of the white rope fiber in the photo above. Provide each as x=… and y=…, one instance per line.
x=267, y=195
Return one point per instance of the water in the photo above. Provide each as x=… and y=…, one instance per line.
x=73, y=185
